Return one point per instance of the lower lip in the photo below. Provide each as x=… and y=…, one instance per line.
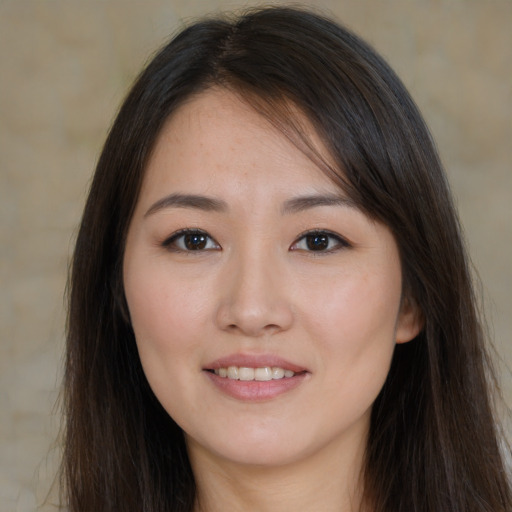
x=254, y=390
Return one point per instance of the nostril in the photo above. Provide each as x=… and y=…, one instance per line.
x=254, y=330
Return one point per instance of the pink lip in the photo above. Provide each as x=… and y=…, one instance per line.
x=255, y=391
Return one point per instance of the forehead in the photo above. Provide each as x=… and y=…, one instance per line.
x=216, y=135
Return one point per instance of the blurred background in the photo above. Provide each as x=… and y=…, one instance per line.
x=64, y=69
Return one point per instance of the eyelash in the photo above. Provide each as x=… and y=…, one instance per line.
x=322, y=236
x=339, y=241
x=171, y=243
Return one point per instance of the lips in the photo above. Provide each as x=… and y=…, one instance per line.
x=254, y=377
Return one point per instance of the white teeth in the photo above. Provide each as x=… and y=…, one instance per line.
x=245, y=373
x=265, y=373
x=232, y=372
x=277, y=373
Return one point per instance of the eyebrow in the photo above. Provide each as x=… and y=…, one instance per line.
x=302, y=203
x=211, y=204
x=208, y=204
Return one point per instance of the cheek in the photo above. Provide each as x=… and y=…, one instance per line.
x=166, y=319
x=356, y=310
x=166, y=316
x=159, y=299
x=355, y=327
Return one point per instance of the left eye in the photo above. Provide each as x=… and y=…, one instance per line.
x=319, y=241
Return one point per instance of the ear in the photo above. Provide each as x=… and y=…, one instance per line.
x=410, y=321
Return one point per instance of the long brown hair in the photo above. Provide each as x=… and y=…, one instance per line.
x=433, y=442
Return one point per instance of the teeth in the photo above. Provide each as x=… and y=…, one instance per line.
x=261, y=374
x=245, y=373
x=277, y=373
x=233, y=372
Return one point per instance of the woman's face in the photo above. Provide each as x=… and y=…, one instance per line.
x=265, y=305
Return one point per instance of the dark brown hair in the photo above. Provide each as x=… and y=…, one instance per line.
x=433, y=443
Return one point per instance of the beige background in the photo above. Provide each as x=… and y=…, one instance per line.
x=64, y=68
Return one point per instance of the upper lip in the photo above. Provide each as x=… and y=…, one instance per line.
x=254, y=361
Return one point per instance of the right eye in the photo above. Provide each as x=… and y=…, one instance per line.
x=320, y=241
x=187, y=240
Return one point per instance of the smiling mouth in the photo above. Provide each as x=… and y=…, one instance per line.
x=243, y=373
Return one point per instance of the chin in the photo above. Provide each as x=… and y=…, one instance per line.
x=257, y=447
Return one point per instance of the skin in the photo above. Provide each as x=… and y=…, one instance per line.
x=258, y=289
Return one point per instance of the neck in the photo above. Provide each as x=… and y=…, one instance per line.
x=328, y=481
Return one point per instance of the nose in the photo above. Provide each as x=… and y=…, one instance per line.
x=254, y=298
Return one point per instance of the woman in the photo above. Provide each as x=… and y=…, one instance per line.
x=270, y=302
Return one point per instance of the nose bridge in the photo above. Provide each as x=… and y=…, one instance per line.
x=255, y=299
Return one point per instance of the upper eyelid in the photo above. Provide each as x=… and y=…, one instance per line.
x=341, y=242
x=327, y=232
x=186, y=231
x=180, y=232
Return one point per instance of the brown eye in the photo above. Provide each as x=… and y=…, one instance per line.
x=319, y=241
x=191, y=240
x=195, y=242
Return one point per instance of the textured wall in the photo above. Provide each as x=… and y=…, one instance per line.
x=64, y=69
